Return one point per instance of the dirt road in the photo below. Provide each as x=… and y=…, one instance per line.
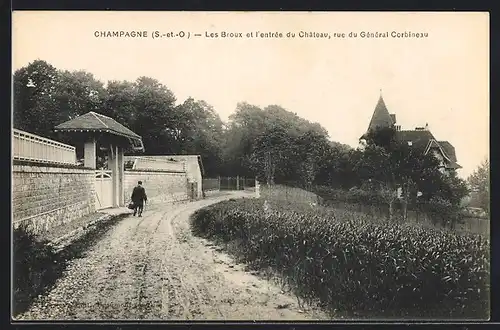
x=154, y=268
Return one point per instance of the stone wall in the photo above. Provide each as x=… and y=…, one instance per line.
x=190, y=166
x=160, y=186
x=45, y=196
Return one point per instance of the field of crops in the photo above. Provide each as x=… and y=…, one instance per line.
x=355, y=264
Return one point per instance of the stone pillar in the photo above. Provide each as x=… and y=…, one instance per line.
x=121, y=175
x=90, y=153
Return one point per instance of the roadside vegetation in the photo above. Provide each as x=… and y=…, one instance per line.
x=352, y=263
x=37, y=263
x=35, y=266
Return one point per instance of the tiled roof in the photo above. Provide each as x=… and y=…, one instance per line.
x=419, y=139
x=93, y=121
x=381, y=117
x=422, y=138
x=449, y=149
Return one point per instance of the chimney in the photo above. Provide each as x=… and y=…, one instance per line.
x=426, y=126
x=398, y=128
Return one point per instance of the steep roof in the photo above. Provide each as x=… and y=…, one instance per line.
x=419, y=139
x=96, y=122
x=381, y=117
x=449, y=149
x=423, y=139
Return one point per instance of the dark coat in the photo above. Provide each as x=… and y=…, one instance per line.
x=139, y=195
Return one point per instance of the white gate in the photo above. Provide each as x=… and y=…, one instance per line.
x=103, y=190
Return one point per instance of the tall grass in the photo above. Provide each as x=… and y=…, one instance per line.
x=356, y=263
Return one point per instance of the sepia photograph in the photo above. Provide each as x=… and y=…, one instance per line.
x=250, y=166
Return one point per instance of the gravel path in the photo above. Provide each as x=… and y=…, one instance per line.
x=154, y=268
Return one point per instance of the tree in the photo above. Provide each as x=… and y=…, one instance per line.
x=384, y=137
x=77, y=93
x=119, y=102
x=244, y=127
x=35, y=106
x=155, y=118
x=201, y=132
x=377, y=166
x=45, y=97
x=269, y=153
x=395, y=164
x=479, y=181
x=276, y=144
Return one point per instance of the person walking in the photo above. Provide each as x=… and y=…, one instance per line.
x=139, y=198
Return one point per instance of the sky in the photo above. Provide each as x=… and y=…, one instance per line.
x=441, y=79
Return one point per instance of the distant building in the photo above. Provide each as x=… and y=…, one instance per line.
x=420, y=138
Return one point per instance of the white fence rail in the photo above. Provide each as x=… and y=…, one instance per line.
x=146, y=163
x=27, y=146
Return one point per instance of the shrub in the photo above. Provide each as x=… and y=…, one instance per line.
x=33, y=262
x=442, y=212
x=351, y=263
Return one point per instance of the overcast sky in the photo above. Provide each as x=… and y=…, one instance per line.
x=442, y=80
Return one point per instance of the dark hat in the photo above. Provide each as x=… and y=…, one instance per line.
x=139, y=182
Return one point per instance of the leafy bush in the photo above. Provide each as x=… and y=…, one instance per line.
x=33, y=264
x=350, y=263
x=442, y=211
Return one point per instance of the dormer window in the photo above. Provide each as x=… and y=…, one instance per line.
x=362, y=144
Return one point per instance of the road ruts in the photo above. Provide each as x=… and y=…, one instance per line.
x=153, y=268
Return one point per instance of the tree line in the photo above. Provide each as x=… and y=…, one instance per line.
x=271, y=143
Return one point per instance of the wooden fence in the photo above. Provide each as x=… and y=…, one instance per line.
x=31, y=147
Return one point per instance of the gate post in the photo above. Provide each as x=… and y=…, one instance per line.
x=257, y=188
x=113, y=165
x=121, y=174
x=89, y=153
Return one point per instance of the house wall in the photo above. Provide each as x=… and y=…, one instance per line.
x=159, y=186
x=46, y=196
